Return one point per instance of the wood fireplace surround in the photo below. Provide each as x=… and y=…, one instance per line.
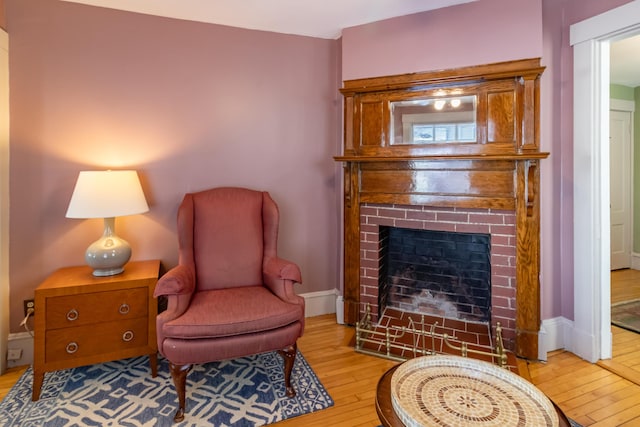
x=394, y=154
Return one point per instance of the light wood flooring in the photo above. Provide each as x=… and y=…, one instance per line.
x=588, y=393
x=625, y=285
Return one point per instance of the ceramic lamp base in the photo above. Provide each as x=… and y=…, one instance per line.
x=108, y=255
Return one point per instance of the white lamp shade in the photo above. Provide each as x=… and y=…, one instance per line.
x=107, y=194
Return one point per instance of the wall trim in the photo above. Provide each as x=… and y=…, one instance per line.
x=635, y=260
x=22, y=341
x=553, y=335
x=610, y=23
x=319, y=303
x=622, y=105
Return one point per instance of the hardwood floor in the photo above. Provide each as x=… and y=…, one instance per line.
x=625, y=285
x=589, y=394
x=9, y=379
x=586, y=392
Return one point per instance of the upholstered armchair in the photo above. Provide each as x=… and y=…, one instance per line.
x=230, y=295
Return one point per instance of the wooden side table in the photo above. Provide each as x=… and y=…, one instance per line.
x=81, y=319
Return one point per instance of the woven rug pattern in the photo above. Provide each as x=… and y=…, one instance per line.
x=626, y=315
x=245, y=392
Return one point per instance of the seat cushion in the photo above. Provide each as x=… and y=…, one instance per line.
x=234, y=311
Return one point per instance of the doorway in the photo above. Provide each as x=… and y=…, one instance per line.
x=621, y=184
x=591, y=335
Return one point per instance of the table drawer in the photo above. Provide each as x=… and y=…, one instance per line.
x=90, y=340
x=96, y=307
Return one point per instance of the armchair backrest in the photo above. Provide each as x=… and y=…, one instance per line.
x=226, y=234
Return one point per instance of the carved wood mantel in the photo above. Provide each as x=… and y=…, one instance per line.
x=498, y=168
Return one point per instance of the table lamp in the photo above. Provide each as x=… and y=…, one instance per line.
x=107, y=194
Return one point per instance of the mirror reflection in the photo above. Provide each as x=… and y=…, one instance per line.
x=434, y=120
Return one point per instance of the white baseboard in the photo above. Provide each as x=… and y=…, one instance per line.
x=635, y=261
x=316, y=304
x=21, y=341
x=554, y=335
x=583, y=344
x=340, y=310
x=319, y=303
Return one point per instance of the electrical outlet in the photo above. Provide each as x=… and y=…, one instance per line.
x=29, y=304
x=14, y=354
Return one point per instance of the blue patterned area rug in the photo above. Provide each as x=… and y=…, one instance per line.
x=243, y=392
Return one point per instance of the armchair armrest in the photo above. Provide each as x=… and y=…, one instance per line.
x=178, y=284
x=282, y=269
x=280, y=275
x=177, y=281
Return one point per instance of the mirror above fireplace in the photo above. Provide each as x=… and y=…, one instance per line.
x=434, y=120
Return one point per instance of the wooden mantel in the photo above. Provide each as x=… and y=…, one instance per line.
x=497, y=169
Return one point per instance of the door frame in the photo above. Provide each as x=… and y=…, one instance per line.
x=591, y=338
x=4, y=198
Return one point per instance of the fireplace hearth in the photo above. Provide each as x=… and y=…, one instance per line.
x=487, y=260
x=400, y=335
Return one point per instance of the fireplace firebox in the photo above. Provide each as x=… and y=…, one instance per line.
x=437, y=272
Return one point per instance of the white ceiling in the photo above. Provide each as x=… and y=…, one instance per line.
x=323, y=19
x=625, y=62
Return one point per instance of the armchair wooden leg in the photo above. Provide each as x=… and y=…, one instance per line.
x=289, y=356
x=179, y=375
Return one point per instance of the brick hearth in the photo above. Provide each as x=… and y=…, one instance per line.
x=499, y=224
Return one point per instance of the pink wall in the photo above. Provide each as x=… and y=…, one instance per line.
x=190, y=106
x=474, y=33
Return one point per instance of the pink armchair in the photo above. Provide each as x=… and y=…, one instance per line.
x=230, y=295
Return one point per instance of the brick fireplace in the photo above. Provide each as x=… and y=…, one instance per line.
x=500, y=225
x=411, y=169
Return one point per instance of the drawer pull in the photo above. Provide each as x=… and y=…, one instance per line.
x=72, y=315
x=127, y=336
x=72, y=347
x=124, y=309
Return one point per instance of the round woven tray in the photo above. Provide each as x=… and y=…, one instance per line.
x=457, y=391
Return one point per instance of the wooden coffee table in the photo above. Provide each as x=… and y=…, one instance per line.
x=388, y=417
